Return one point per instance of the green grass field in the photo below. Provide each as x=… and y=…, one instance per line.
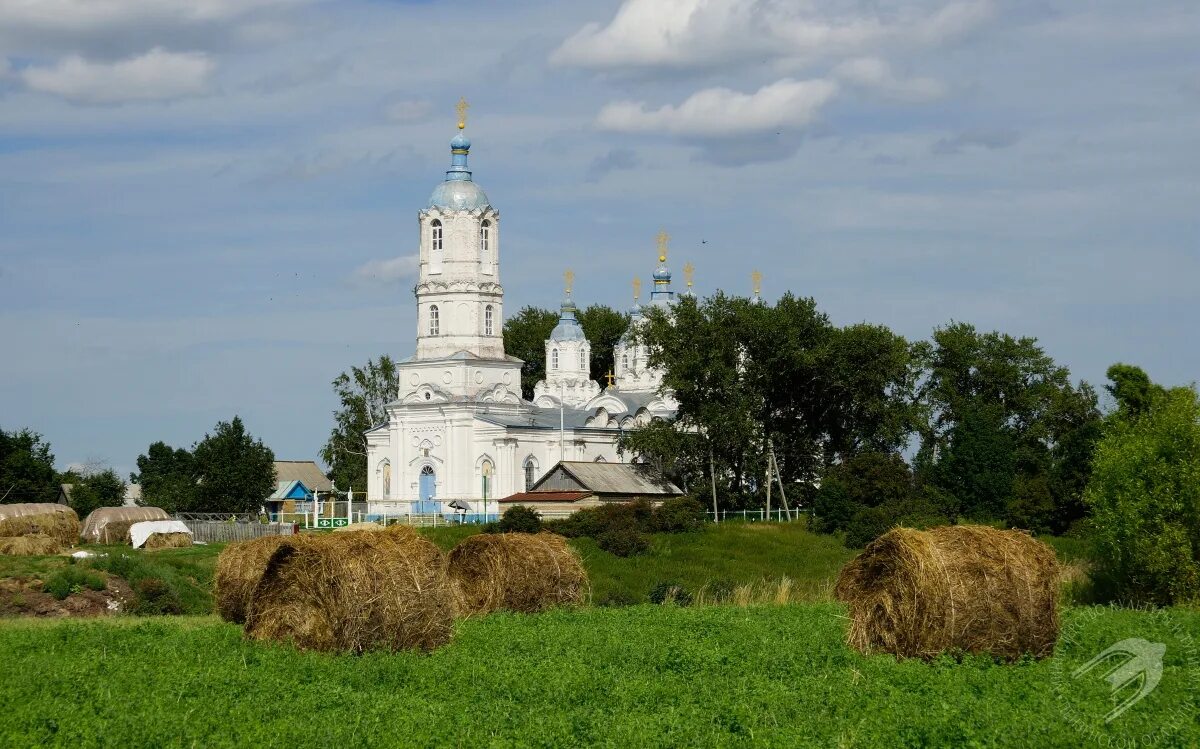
x=636, y=676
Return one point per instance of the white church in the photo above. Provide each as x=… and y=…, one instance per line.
x=459, y=430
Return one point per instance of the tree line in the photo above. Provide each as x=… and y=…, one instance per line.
x=228, y=470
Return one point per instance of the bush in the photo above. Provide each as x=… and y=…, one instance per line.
x=616, y=598
x=1145, y=498
x=872, y=522
x=679, y=515
x=623, y=542
x=520, y=519
x=669, y=592
x=72, y=580
x=152, y=596
x=866, y=480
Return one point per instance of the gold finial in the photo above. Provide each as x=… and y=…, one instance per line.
x=689, y=271
x=569, y=277
x=756, y=277
x=662, y=239
x=609, y=377
x=462, y=108
x=637, y=289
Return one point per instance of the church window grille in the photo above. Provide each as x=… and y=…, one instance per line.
x=488, y=325
x=530, y=474
x=624, y=361
x=436, y=227
x=554, y=359
x=434, y=322
x=581, y=364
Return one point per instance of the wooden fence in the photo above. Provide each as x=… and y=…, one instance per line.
x=223, y=531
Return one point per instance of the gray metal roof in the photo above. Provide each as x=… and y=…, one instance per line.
x=613, y=478
x=538, y=418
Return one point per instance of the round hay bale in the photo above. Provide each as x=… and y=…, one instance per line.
x=517, y=572
x=36, y=544
x=354, y=592
x=40, y=518
x=168, y=541
x=239, y=568
x=917, y=594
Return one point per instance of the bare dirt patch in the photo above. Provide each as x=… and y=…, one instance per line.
x=25, y=597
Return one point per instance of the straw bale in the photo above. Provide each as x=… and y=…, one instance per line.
x=239, y=568
x=517, y=572
x=31, y=518
x=952, y=589
x=176, y=540
x=354, y=592
x=36, y=544
x=110, y=525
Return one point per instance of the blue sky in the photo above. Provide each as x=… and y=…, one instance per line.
x=208, y=207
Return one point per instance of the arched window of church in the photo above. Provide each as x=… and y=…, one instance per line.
x=487, y=320
x=485, y=236
x=436, y=229
x=434, y=322
x=554, y=359
x=581, y=364
x=530, y=473
x=624, y=361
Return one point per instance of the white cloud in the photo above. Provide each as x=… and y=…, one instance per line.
x=155, y=76
x=873, y=73
x=383, y=272
x=722, y=112
x=706, y=33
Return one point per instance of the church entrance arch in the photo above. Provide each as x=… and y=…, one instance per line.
x=427, y=486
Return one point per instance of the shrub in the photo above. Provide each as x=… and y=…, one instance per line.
x=679, y=515
x=152, y=596
x=868, y=479
x=72, y=580
x=520, y=519
x=1145, y=498
x=872, y=522
x=623, y=542
x=615, y=598
x=670, y=592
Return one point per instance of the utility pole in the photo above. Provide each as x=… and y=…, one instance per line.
x=775, y=465
x=562, y=432
x=712, y=472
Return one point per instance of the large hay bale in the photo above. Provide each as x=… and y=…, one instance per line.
x=110, y=525
x=955, y=588
x=168, y=541
x=35, y=544
x=239, y=568
x=32, y=518
x=354, y=592
x=517, y=572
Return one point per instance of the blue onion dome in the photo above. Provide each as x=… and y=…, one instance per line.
x=459, y=192
x=568, y=328
x=662, y=273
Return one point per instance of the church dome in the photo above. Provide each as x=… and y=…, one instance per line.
x=458, y=195
x=568, y=328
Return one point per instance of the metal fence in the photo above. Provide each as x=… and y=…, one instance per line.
x=755, y=516
x=232, y=529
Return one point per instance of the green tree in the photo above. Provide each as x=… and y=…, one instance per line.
x=168, y=478
x=1145, y=498
x=603, y=327
x=26, y=468
x=363, y=394
x=868, y=479
x=525, y=337
x=978, y=467
x=1131, y=387
x=97, y=489
x=236, y=472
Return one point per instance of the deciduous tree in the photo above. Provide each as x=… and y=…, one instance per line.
x=363, y=394
x=236, y=472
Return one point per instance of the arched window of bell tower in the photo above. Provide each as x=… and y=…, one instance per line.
x=488, y=317
x=434, y=322
x=435, y=230
x=554, y=359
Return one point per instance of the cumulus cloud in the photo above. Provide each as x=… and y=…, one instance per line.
x=722, y=112
x=385, y=272
x=707, y=33
x=876, y=74
x=158, y=75
x=992, y=140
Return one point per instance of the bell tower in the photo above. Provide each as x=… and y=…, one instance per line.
x=460, y=303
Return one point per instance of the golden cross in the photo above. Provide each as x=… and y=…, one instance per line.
x=662, y=239
x=462, y=108
x=637, y=288
x=756, y=277
x=609, y=377
x=689, y=270
x=569, y=277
